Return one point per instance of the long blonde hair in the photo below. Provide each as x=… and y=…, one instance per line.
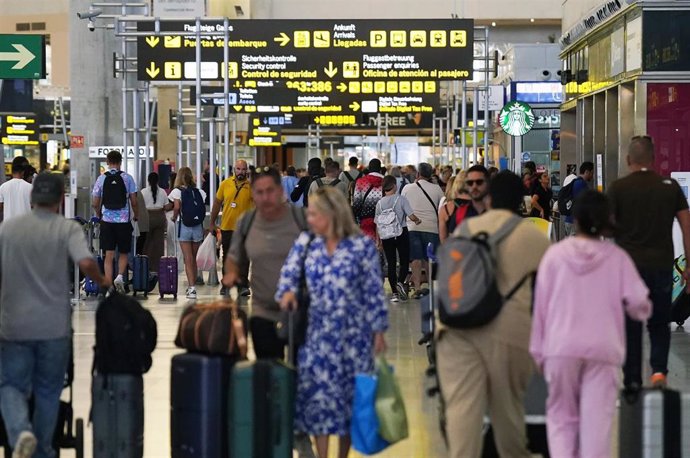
x=185, y=178
x=457, y=188
x=332, y=203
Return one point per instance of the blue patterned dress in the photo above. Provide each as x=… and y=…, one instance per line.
x=347, y=308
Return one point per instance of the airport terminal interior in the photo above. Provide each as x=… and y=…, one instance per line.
x=454, y=83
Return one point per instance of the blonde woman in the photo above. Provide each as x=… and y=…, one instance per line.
x=456, y=196
x=189, y=236
x=347, y=316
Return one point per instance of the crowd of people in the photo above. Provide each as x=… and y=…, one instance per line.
x=336, y=233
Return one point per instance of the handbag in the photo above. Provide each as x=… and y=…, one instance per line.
x=364, y=426
x=216, y=328
x=300, y=317
x=390, y=406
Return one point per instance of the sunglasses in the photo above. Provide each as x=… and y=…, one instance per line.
x=471, y=183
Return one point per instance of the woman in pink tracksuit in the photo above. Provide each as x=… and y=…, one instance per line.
x=584, y=287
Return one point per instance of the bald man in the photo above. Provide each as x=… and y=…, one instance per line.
x=235, y=197
x=645, y=205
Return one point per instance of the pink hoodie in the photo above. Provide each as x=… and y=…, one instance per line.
x=583, y=288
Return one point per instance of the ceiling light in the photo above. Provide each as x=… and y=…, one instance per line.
x=493, y=24
x=531, y=20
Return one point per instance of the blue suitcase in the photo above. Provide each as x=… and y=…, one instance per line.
x=141, y=275
x=91, y=288
x=199, y=390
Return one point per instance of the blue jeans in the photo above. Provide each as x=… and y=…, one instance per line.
x=660, y=283
x=33, y=367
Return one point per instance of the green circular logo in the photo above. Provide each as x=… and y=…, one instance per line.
x=516, y=118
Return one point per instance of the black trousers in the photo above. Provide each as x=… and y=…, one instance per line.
x=398, y=247
x=225, y=240
x=267, y=345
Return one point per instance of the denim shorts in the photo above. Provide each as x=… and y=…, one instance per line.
x=190, y=233
x=419, y=241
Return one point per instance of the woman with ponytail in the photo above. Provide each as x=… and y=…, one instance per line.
x=155, y=200
x=585, y=286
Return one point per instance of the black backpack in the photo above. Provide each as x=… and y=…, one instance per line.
x=565, y=198
x=114, y=196
x=126, y=335
x=320, y=183
x=192, y=207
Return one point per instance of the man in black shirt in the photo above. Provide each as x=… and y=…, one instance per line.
x=645, y=205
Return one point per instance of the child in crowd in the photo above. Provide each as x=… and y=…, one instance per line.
x=584, y=287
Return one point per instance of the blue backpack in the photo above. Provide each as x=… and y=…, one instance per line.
x=192, y=207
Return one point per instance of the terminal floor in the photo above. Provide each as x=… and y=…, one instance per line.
x=408, y=358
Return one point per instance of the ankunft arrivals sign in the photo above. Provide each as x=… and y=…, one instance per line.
x=516, y=118
x=596, y=16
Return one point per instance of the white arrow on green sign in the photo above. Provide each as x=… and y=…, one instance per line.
x=22, y=56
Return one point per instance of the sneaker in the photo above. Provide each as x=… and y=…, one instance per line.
x=224, y=291
x=659, y=380
x=200, y=280
x=25, y=446
x=402, y=292
x=302, y=444
x=191, y=293
x=395, y=298
x=244, y=292
x=119, y=284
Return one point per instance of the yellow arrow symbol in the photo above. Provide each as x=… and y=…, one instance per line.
x=152, y=41
x=331, y=70
x=354, y=106
x=152, y=70
x=342, y=87
x=237, y=107
x=316, y=120
x=283, y=39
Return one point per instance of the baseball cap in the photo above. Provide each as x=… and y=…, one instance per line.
x=47, y=188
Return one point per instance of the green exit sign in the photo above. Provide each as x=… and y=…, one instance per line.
x=22, y=56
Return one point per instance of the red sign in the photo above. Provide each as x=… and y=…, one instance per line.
x=76, y=141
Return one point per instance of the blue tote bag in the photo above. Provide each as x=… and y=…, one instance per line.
x=365, y=424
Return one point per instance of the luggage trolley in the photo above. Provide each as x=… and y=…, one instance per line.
x=69, y=433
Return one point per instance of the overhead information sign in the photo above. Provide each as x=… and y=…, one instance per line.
x=263, y=134
x=310, y=50
x=22, y=57
x=325, y=97
x=19, y=129
x=96, y=152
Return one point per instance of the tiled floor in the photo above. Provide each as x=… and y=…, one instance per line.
x=408, y=358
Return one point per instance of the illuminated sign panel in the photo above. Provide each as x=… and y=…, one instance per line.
x=19, y=129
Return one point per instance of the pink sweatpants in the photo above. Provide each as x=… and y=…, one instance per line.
x=580, y=407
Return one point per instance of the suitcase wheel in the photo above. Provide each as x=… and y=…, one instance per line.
x=175, y=296
x=680, y=323
x=161, y=295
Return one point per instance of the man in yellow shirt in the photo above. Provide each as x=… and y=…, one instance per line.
x=235, y=196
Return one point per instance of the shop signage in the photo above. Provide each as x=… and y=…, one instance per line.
x=96, y=152
x=516, y=118
x=496, y=98
x=274, y=96
x=597, y=16
x=537, y=92
x=19, y=129
x=22, y=56
x=317, y=50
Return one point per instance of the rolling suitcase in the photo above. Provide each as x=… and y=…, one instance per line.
x=117, y=415
x=91, y=288
x=141, y=275
x=261, y=409
x=168, y=273
x=654, y=423
x=198, y=398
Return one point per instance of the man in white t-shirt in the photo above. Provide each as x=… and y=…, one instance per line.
x=424, y=197
x=15, y=195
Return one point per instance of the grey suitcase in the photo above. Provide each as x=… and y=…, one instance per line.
x=655, y=424
x=117, y=414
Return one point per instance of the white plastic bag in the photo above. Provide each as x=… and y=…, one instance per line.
x=206, y=256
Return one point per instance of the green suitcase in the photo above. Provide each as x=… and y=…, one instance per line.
x=261, y=409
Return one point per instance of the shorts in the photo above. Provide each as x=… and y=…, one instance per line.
x=190, y=233
x=419, y=241
x=116, y=236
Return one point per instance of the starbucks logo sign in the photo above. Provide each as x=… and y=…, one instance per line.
x=516, y=119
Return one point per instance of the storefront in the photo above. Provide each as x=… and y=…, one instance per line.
x=626, y=72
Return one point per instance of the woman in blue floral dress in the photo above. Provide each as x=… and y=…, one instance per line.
x=347, y=316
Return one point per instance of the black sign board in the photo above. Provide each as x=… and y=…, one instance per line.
x=310, y=50
x=261, y=134
x=302, y=97
x=666, y=41
x=19, y=129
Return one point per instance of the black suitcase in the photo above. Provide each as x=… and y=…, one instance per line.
x=141, y=275
x=117, y=415
x=199, y=390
